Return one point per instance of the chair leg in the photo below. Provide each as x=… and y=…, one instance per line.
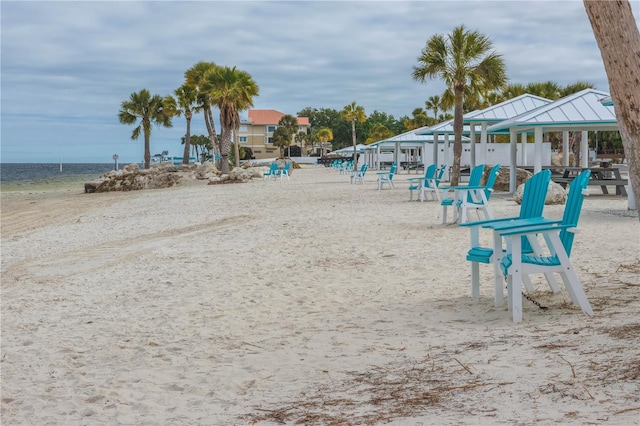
x=475, y=280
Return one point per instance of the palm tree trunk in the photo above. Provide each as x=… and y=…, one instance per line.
x=236, y=145
x=617, y=35
x=211, y=128
x=353, y=136
x=187, y=141
x=147, y=150
x=457, y=131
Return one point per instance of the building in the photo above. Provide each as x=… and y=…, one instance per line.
x=256, y=131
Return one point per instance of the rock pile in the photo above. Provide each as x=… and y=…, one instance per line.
x=132, y=178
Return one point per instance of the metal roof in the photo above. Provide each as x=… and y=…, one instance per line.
x=507, y=109
x=582, y=110
x=444, y=128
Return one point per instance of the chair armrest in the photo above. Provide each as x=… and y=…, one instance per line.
x=536, y=229
x=489, y=221
x=521, y=223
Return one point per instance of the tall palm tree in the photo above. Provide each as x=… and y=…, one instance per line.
x=185, y=102
x=353, y=113
x=433, y=104
x=465, y=62
x=150, y=110
x=324, y=135
x=194, y=77
x=301, y=138
x=232, y=91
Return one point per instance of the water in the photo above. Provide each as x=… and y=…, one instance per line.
x=24, y=176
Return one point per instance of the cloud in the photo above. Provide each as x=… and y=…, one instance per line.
x=67, y=66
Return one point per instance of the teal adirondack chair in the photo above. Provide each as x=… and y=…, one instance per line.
x=432, y=185
x=271, y=173
x=477, y=199
x=387, y=177
x=358, y=176
x=470, y=197
x=533, y=201
x=284, y=172
x=428, y=183
x=558, y=238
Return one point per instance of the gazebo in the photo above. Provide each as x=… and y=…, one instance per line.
x=581, y=111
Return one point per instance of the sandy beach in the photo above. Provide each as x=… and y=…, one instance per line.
x=311, y=301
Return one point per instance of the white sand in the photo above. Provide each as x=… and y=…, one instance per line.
x=310, y=301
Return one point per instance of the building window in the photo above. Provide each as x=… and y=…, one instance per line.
x=243, y=139
x=268, y=139
x=271, y=129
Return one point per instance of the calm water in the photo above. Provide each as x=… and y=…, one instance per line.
x=21, y=176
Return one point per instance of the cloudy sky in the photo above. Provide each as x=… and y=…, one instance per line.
x=67, y=66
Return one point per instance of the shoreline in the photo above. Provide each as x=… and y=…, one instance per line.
x=309, y=300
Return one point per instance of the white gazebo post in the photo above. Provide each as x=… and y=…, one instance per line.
x=435, y=148
x=565, y=148
x=537, y=164
x=472, y=135
x=523, y=149
x=447, y=159
x=396, y=155
x=513, y=143
x=423, y=153
x=378, y=157
x=584, y=150
x=483, y=143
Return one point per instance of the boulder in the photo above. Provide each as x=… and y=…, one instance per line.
x=556, y=159
x=502, y=181
x=556, y=194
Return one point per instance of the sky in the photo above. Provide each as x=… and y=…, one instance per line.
x=66, y=67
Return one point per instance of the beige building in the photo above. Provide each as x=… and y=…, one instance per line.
x=257, y=130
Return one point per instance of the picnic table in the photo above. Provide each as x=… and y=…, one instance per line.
x=600, y=176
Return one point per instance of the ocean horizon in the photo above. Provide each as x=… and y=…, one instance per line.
x=21, y=176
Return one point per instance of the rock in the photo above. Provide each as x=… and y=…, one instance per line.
x=556, y=194
x=206, y=170
x=502, y=181
x=166, y=175
x=556, y=159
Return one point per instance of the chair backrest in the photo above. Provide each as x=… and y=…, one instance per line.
x=430, y=171
x=440, y=173
x=533, y=199
x=474, y=180
x=491, y=180
x=286, y=167
x=364, y=168
x=573, y=207
x=535, y=195
x=273, y=167
x=392, y=170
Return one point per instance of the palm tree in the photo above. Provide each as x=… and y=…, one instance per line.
x=379, y=132
x=433, y=104
x=150, y=110
x=324, y=135
x=194, y=77
x=353, y=113
x=464, y=61
x=184, y=103
x=232, y=91
x=301, y=138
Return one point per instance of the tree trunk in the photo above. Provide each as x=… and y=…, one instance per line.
x=236, y=146
x=617, y=35
x=187, y=141
x=457, y=140
x=225, y=150
x=211, y=128
x=147, y=150
x=355, y=152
